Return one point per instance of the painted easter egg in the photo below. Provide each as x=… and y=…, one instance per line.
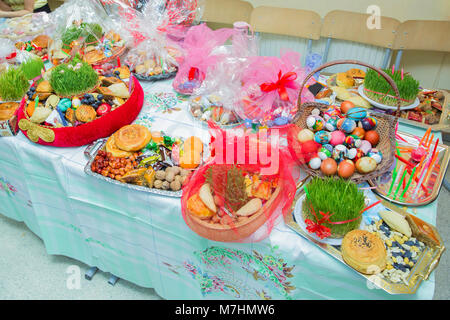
x=332, y=112
x=356, y=113
x=352, y=141
x=64, y=104
x=315, y=163
x=322, y=137
x=305, y=135
x=337, y=137
x=331, y=124
x=369, y=123
x=376, y=155
x=339, y=153
x=366, y=165
x=365, y=146
x=346, y=125
x=315, y=123
x=324, y=153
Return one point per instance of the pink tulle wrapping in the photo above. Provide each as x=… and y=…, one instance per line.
x=260, y=106
x=199, y=43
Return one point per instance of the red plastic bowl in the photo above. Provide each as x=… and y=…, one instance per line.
x=99, y=128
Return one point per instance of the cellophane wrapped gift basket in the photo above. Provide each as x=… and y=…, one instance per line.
x=83, y=28
x=203, y=49
x=158, y=31
x=270, y=89
x=240, y=194
x=216, y=97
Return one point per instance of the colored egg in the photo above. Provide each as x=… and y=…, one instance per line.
x=356, y=114
x=373, y=137
x=315, y=112
x=322, y=137
x=324, y=153
x=366, y=165
x=331, y=124
x=337, y=137
x=365, y=147
x=315, y=163
x=76, y=103
x=346, y=125
x=332, y=112
x=305, y=135
x=368, y=123
x=346, y=106
x=329, y=147
x=359, y=132
x=346, y=169
x=351, y=154
x=315, y=123
x=352, y=141
x=64, y=104
x=328, y=167
x=339, y=153
x=376, y=155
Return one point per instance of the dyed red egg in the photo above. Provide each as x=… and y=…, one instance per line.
x=373, y=137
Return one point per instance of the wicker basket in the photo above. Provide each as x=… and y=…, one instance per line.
x=385, y=128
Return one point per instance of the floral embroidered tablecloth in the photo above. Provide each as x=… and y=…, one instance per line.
x=142, y=237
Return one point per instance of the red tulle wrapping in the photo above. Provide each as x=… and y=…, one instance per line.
x=99, y=128
x=281, y=204
x=301, y=152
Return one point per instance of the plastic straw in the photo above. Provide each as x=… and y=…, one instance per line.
x=408, y=183
x=400, y=182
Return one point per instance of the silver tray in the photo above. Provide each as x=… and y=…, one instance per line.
x=91, y=152
x=426, y=263
x=158, y=77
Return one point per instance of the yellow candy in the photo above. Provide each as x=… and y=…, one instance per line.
x=411, y=264
x=405, y=238
x=388, y=243
x=406, y=260
x=389, y=266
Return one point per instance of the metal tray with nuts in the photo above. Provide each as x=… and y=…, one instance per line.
x=164, y=177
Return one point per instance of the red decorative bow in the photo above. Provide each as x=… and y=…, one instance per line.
x=317, y=227
x=193, y=72
x=281, y=85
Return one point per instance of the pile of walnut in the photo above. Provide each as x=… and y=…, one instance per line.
x=172, y=178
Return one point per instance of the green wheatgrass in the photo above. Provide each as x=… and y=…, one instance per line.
x=338, y=196
x=90, y=31
x=408, y=87
x=68, y=82
x=32, y=68
x=13, y=84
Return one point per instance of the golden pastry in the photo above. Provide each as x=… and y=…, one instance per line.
x=364, y=252
x=70, y=115
x=124, y=72
x=42, y=41
x=114, y=150
x=85, y=113
x=356, y=73
x=94, y=56
x=44, y=87
x=196, y=207
x=344, y=80
x=132, y=137
x=7, y=110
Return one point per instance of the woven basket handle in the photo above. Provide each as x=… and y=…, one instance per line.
x=332, y=63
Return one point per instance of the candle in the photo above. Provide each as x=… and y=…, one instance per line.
x=36, y=101
x=402, y=74
x=393, y=69
x=408, y=183
x=118, y=62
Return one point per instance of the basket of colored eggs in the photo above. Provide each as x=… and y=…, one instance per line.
x=345, y=141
